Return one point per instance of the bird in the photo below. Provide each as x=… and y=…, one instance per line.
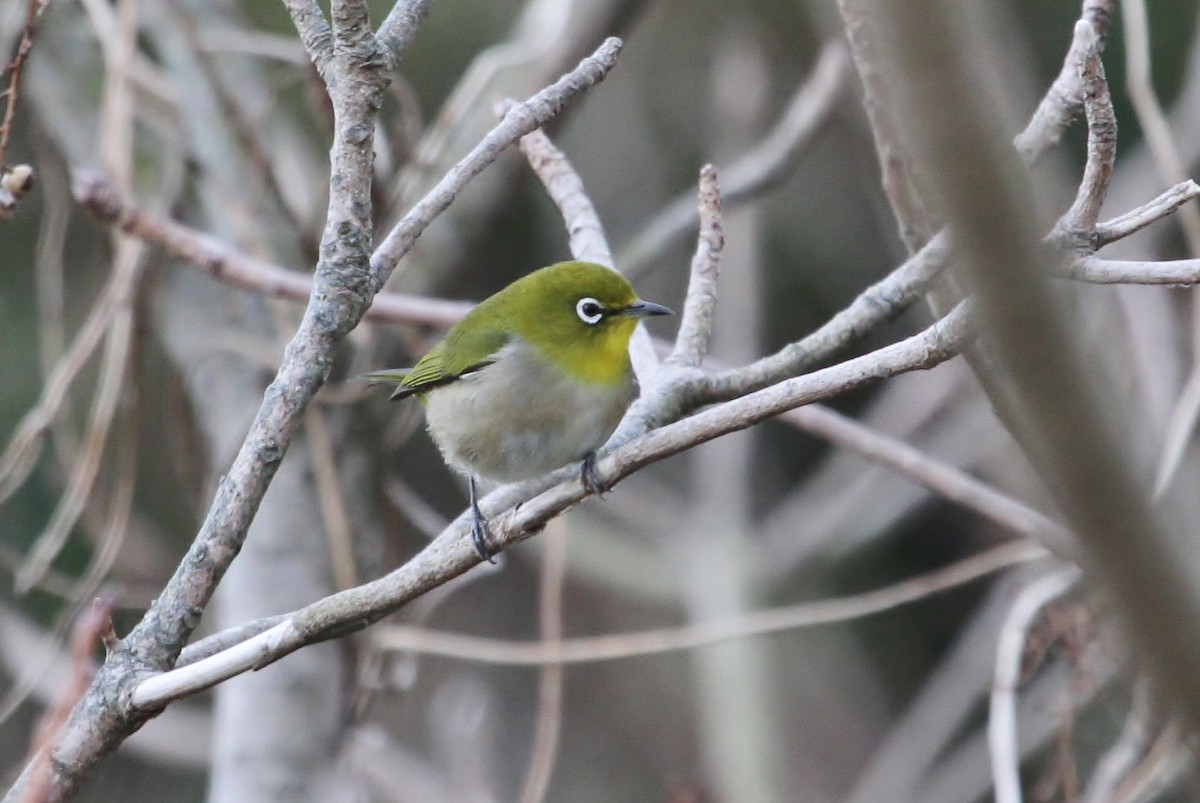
x=533, y=378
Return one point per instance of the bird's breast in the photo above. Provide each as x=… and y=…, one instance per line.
x=521, y=416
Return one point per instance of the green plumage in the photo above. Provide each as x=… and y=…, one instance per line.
x=539, y=308
x=536, y=376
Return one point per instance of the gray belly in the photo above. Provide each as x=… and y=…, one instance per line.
x=518, y=418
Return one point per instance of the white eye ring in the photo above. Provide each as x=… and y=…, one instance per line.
x=589, y=310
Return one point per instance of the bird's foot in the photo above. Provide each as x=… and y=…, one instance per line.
x=590, y=477
x=481, y=536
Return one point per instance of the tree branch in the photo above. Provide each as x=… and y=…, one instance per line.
x=696, y=323
x=1080, y=220
x=1072, y=425
x=620, y=646
x=1002, y=718
x=400, y=26
x=516, y=512
x=519, y=120
x=878, y=304
x=1137, y=219
x=1064, y=99
x=585, y=232
x=208, y=254
x=763, y=166
x=314, y=31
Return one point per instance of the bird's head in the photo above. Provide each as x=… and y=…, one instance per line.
x=579, y=315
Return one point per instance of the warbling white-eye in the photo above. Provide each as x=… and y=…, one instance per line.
x=534, y=377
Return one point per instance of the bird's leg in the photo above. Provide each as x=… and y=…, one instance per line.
x=590, y=477
x=479, y=526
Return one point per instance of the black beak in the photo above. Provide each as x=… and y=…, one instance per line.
x=644, y=309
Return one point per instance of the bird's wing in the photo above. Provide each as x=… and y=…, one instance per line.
x=434, y=370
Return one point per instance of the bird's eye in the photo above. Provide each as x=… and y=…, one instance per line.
x=589, y=311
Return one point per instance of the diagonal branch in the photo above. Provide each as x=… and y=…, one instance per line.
x=521, y=119
x=759, y=169
x=400, y=26
x=208, y=254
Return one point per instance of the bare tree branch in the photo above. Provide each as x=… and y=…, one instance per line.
x=1064, y=99
x=400, y=26
x=229, y=265
x=942, y=478
x=761, y=167
x=1071, y=428
x=314, y=31
x=1002, y=720
x=879, y=303
x=1080, y=220
x=1174, y=272
x=550, y=685
x=516, y=512
x=620, y=646
x=696, y=323
x=519, y=120
x=585, y=232
x=1137, y=219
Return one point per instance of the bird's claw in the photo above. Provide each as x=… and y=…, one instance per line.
x=590, y=477
x=481, y=537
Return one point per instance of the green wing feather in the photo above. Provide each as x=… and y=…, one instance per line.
x=471, y=347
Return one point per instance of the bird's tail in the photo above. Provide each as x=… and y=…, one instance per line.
x=388, y=376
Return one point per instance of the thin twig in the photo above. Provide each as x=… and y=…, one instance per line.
x=114, y=369
x=696, y=323
x=899, y=174
x=621, y=646
x=1064, y=99
x=400, y=26
x=1149, y=112
x=1124, y=753
x=1138, y=81
x=518, y=121
x=585, y=232
x=879, y=303
x=1002, y=719
x=250, y=134
x=1125, y=271
x=1156, y=769
x=210, y=255
x=116, y=525
x=584, y=229
x=940, y=477
x=330, y=498
x=1080, y=219
x=1137, y=219
x=12, y=69
x=759, y=169
x=550, y=686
